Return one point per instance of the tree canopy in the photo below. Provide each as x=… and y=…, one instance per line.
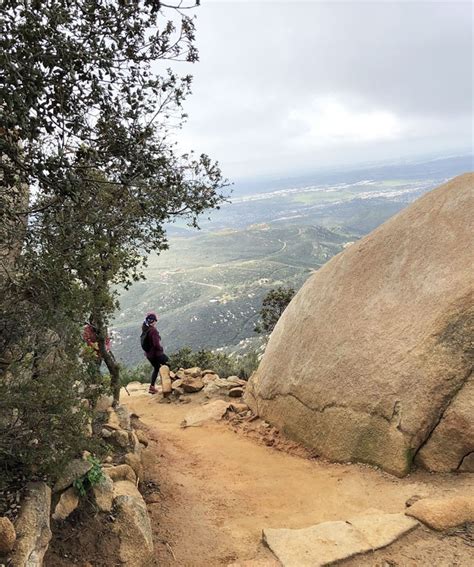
x=89, y=176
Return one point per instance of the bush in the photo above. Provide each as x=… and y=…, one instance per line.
x=140, y=373
x=43, y=421
x=225, y=365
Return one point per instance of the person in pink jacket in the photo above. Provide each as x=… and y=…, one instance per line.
x=151, y=344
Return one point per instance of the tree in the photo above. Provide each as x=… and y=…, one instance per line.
x=86, y=115
x=274, y=303
x=105, y=241
x=86, y=122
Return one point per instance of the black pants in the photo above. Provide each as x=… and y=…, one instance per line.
x=157, y=362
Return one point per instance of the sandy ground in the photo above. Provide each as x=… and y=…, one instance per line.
x=211, y=491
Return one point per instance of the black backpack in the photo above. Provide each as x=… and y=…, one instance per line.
x=145, y=340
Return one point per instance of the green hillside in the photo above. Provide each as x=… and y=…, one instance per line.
x=208, y=288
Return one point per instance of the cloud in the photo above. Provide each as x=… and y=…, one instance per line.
x=282, y=86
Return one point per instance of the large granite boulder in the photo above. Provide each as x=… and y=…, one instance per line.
x=367, y=360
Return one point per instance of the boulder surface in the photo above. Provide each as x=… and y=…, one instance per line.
x=367, y=359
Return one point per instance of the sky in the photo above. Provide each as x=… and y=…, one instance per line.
x=287, y=87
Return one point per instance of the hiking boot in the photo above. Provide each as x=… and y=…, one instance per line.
x=152, y=390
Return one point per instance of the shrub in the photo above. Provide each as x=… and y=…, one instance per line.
x=225, y=365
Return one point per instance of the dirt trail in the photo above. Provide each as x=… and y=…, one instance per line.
x=218, y=489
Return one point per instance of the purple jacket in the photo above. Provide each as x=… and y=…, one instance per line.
x=156, y=348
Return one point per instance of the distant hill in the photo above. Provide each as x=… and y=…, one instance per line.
x=209, y=288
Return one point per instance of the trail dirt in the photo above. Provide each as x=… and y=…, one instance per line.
x=212, y=489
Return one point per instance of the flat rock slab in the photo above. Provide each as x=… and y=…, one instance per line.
x=443, y=513
x=213, y=411
x=328, y=542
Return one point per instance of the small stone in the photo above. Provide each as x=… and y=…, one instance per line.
x=104, y=494
x=443, y=513
x=177, y=383
x=122, y=472
x=104, y=403
x=113, y=421
x=7, y=535
x=236, y=392
x=135, y=463
x=195, y=372
x=68, y=502
x=412, y=500
x=77, y=468
x=191, y=385
x=120, y=437
x=108, y=459
x=238, y=407
x=141, y=435
x=106, y=433
x=165, y=379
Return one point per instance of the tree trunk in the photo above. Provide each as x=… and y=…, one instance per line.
x=108, y=358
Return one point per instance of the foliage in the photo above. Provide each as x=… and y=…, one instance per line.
x=42, y=422
x=274, y=303
x=89, y=176
x=223, y=364
x=140, y=373
x=92, y=478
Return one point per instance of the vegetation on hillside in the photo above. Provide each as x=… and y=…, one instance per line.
x=274, y=303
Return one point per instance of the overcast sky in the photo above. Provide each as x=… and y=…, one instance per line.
x=289, y=87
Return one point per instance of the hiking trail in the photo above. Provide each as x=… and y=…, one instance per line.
x=211, y=490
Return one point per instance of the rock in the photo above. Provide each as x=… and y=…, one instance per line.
x=219, y=386
x=126, y=488
x=195, y=372
x=104, y=403
x=212, y=389
x=124, y=417
x=173, y=375
x=132, y=525
x=412, y=500
x=467, y=464
x=134, y=461
x=213, y=411
x=236, y=392
x=122, y=472
x=238, y=407
x=366, y=360
x=134, y=442
x=68, y=502
x=106, y=433
x=75, y=469
x=180, y=375
x=7, y=536
x=445, y=513
x=235, y=381
x=209, y=377
x=142, y=437
x=177, y=384
x=120, y=438
x=113, y=421
x=191, y=385
x=329, y=542
x=33, y=532
x=165, y=380
x=453, y=438
x=108, y=459
x=104, y=494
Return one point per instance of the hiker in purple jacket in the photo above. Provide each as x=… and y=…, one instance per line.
x=151, y=344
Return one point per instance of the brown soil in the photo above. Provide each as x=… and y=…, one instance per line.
x=211, y=490
x=84, y=539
